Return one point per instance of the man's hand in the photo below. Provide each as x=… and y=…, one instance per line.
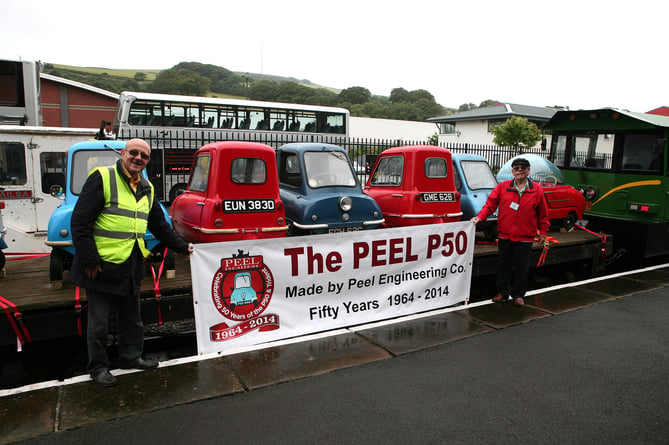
x=92, y=272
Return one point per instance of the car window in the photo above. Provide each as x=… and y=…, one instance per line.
x=435, y=168
x=200, y=176
x=248, y=171
x=289, y=169
x=389, y=171
x=84, y=161
x=328, y=169
x=12, y=164
x=478, y=175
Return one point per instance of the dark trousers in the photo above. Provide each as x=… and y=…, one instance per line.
x=129, y=323
x=513, y=267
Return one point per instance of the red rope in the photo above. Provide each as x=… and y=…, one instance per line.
x=156, y=284
x=15, y=320
x=24, y=255
x=601, y=237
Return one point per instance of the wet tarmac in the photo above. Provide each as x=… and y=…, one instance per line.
x=586, y=363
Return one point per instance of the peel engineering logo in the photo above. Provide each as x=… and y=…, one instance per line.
x=241, y=290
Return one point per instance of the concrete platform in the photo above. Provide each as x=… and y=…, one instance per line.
x=73, y=412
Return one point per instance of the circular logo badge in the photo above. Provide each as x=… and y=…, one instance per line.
x=242, y=288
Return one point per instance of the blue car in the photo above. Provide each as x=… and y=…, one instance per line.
x=474, y=181
x=243, y=293
x=81, y=159
x=321, y=192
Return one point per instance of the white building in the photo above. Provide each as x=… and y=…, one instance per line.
x=474, y=126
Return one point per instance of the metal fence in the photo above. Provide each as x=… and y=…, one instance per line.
x=177, y=148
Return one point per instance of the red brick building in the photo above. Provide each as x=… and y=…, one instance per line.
x=66, y=103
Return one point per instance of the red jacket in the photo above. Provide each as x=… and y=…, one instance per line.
x=520, y=224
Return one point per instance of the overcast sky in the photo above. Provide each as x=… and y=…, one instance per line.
x=575, y=53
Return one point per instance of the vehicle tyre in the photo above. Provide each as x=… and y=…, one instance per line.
x=490, y=232
x=569, y=221
x=177, y=190
x=3, y=260
x=56, y=264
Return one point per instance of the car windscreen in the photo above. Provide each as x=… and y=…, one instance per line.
x=86, y=160
x=328, y=169
x=478, y=175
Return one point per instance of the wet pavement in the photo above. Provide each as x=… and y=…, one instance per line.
x=582, y=364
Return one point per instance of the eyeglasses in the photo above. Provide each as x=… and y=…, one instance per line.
x=518, y=168
x=134, y=153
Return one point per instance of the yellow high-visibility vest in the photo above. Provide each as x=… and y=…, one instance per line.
x=123, y=220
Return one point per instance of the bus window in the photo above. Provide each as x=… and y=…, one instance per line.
x=277, y=120
x=639, y=153
x=209, y=116
x=145, y=113
x=559, y=149
x=12, y=164
x=332, y=123
x=592, y=151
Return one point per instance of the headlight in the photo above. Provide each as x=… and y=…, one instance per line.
x=345, y=204
x=590, y=194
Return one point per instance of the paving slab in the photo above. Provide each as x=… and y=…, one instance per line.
x=620, y=286
x=502, y=315
x=85, y=403
x=27, y=415
x=414, y=335
x=566, y=299
x=304, y=359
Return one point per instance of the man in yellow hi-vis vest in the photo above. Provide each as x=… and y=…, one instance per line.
x=114, y=210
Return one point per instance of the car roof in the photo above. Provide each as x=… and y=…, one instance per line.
x=311, y=146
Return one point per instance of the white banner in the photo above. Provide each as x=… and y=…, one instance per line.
x=251, y=292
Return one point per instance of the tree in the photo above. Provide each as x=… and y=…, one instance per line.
x=466, y=107
x=180, y=81
x=517, y=132
x=355, y=95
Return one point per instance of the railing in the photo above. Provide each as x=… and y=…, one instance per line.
x=362, y=151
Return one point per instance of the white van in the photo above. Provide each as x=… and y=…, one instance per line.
x=32, y=159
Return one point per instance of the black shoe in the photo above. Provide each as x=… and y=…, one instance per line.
x=104, y=378
x=140, y=363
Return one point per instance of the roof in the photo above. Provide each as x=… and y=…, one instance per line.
x=499, y=111
x=80, y=85
x=559, y=119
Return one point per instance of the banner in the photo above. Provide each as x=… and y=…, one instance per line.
x=251, y=292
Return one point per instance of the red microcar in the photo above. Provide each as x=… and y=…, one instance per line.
x=415, y=185
x=565, y=204
x=233, y=194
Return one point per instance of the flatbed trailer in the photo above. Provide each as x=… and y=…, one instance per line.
x=50, y=313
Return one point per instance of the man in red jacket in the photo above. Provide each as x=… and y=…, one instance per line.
x=522, y=212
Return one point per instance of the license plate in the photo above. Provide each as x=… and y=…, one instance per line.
x=345, y=229
x=437, y=197
x=247, y=205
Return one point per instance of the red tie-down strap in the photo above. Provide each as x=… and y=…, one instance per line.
x=24, y=255
x=16, y=321
x=156, y=284
x=78, y=308
x=601, y=237
x=544, y=252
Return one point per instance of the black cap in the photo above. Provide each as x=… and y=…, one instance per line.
x=520, y=161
